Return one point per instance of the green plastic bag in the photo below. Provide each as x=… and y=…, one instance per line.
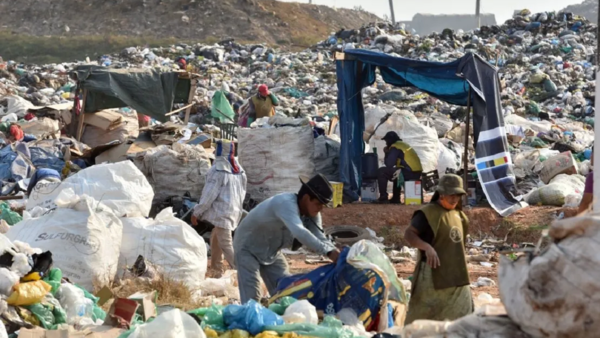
x=53, y=278
x=8, y=215
x=284, y=302
x=221, y=109
x=213, y=318
x=44, y=315
x=329, y=328
x=534, y=108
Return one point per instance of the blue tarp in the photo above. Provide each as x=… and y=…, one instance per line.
x=337, y=286
x=446, y=81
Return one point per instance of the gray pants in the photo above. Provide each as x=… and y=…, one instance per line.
x=221, y=244
x=250, y=271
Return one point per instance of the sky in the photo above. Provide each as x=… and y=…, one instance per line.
x=405, y=9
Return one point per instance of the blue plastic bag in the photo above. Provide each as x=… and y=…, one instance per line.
x=251, y=317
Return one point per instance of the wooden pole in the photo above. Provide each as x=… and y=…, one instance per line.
x=466, y=154
x=81, y=116
x=478, y=12
x=193, y=84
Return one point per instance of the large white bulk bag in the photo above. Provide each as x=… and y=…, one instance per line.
x=120, y=186
x=170, y=244
x=84, y=236
x=273, y=158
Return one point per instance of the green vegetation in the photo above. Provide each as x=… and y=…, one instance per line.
x=52, y=49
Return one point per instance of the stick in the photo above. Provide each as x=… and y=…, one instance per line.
x=466, y=155
x=178, y=110
x=81, y=116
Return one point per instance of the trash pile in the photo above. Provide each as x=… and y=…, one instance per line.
x=546, y=72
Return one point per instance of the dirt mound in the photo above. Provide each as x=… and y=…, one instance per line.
x=265, y=21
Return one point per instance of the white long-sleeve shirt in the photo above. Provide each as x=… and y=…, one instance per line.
x=222, y=200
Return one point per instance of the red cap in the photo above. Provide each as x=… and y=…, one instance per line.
x=263, y=90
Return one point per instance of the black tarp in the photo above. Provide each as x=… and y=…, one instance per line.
x=148, y=91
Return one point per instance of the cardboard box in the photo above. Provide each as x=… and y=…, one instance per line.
x=96, y=332
x=369, y=191
x=563, y=163
x=122, y=308
x=146, y=302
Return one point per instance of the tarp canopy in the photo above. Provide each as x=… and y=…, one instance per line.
x=148, y=91
x=446, y=81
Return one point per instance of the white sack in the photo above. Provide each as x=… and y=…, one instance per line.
x=175, y=170
x=423, y=139
x=273, y=158
x=554, y=295
x=167, y=242
x=83, y=235
x=120, y=186
x=449, y=158
x=556, y=192
x=538, y=126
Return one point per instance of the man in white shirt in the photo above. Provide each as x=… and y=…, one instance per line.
x=221, y=204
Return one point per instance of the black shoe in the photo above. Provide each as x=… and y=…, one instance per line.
x=395, y=201
x=382, y=200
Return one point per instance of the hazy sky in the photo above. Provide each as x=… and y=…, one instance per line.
x=405, y=9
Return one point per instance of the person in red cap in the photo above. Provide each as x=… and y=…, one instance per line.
x=261, y=105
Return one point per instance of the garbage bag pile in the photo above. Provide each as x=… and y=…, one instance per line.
x=88, y=232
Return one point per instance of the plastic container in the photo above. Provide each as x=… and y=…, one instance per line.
x=338, y=193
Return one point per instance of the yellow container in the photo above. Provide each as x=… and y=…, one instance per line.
x=338, y=193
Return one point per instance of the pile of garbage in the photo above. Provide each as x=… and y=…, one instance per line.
x=546, y=67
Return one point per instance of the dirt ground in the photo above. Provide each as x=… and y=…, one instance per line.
x=390, y=221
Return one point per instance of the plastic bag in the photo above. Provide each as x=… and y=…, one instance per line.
x=28, y=293
x=280, y=307
x=54, y=278
x=301, y=312
x=8, y=215
x=171, y=324
x=251, y=317
x=97, y=312
x=213, y=318
x=79, y=310
x=8, y=280
x=329, y=328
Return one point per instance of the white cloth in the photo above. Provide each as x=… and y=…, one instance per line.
x=222, y=200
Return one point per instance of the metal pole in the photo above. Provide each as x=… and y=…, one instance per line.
x=478, y=13
x=596, y=172
x=392, y=12
x=466, y=154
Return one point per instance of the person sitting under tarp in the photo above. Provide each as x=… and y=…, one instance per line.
x=440, y=285
x=398, y=156
x=260, y=105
